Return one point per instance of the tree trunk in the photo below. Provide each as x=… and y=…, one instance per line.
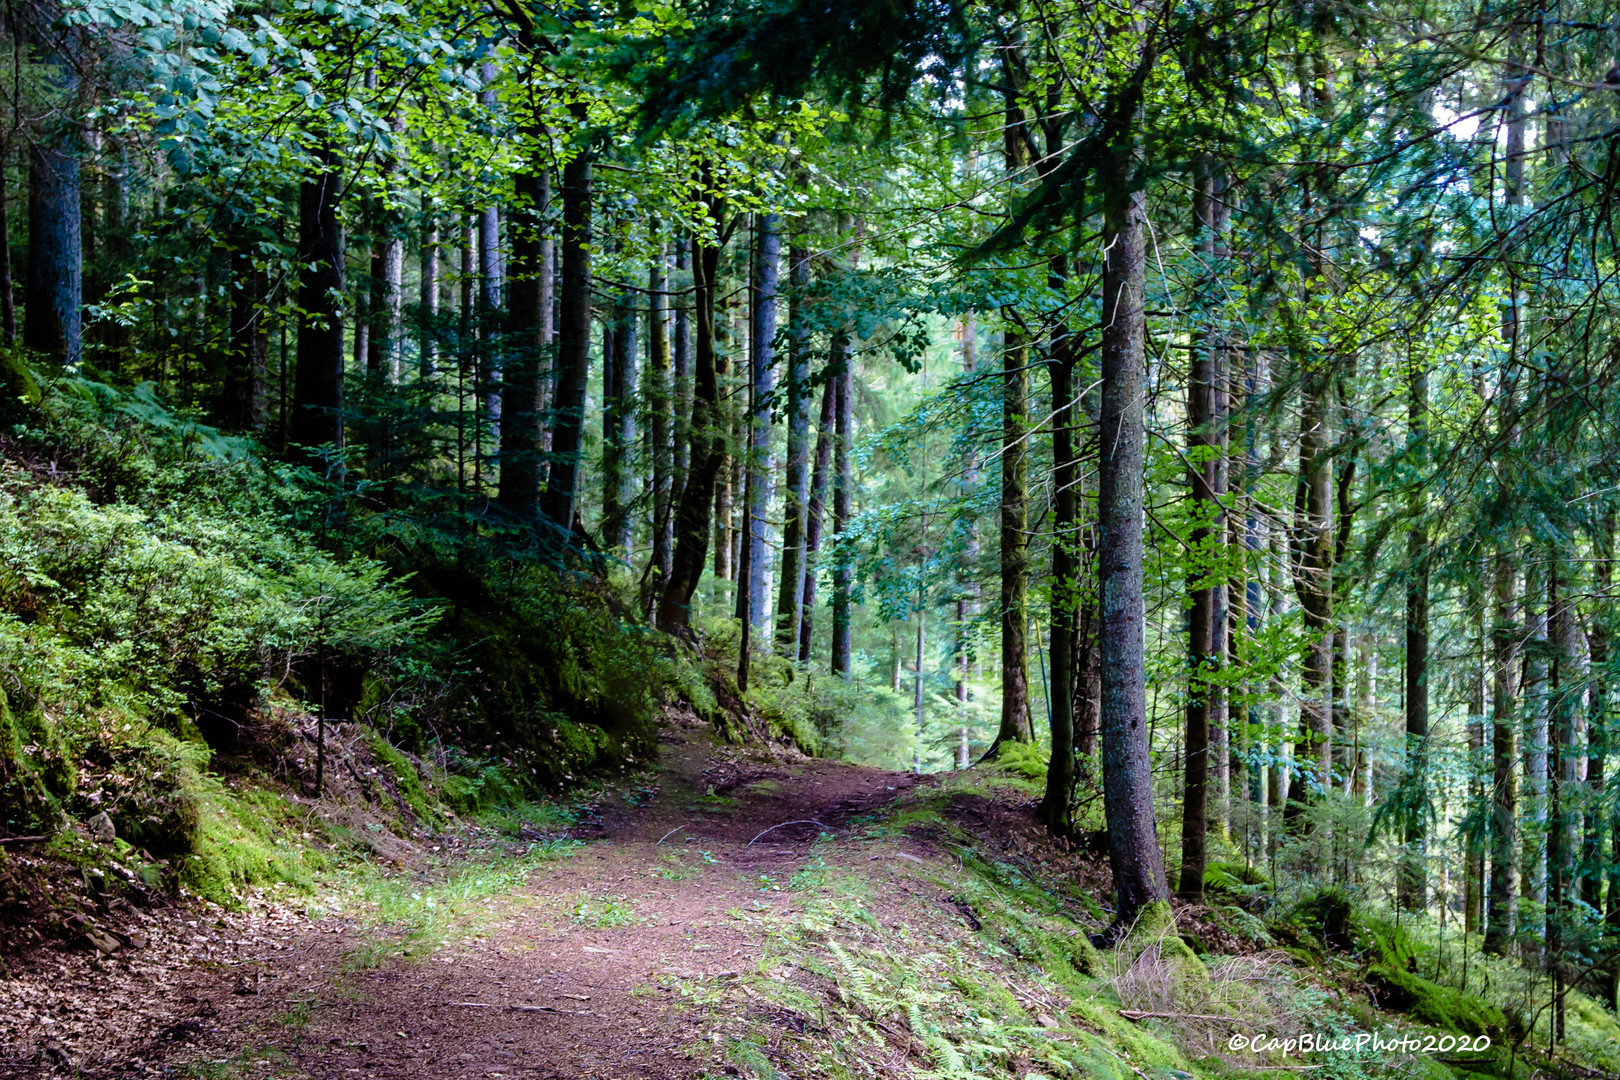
x=967, y=604
x=526, y=334
x=1054, y=811
x=1499, y=915
x=761, y=470
x=843, y=490
x=53, y=293
x=248, y=361
x=428, y=296
x=660, y=420
x=619, y=421
x=1133, y=841
x=1533, y=839
x=317, y=418
x=707, y=441
x=1596, y=824
x=681, y=350
x=1501, y=907
x=1204, y=627
x=573, y=345
x=1413, y=874
x=790, y=586
x=8, y=302
x=815, y=509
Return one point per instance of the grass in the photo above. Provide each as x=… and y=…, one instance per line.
x=605, y=913
x=408, y=917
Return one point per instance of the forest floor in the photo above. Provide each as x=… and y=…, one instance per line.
x=627, y=952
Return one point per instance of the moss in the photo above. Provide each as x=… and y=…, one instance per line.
x=237, y=845
x=1085, y=957
x=407, y=782
x=1435, y=1005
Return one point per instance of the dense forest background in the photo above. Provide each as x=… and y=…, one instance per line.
x=1206, y=407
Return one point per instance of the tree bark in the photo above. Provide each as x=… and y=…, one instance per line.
x=790, y=586
x=1054, y=810
x=815, y=509
x=707, y=439
x=53, y=293
x=1499, y=915
x=428, y=295
x=1133, y=841
x=619, y=422
x=761, y=470
x=317, y=418
x=843, y=490
x=573, y=345
x=8, y=302
x=1502, y=904
x=1596, y=825
x=1205, y=629
x=1412, y=891
x=661, y=425
x=526, y=335
x=248, y=362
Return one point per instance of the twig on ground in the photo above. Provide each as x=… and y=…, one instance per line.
x=785, y=824
x=671, y=833
x=516, y=1008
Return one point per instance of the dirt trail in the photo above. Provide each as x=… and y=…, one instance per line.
x=576, y=974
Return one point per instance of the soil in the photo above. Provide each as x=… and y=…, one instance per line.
x=545, y=982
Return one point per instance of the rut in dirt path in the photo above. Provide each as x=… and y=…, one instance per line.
x=598, y=967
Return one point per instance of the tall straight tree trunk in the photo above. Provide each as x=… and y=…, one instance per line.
x=790, y=584
x=967, y=603
x=1500, y=924
x=619, y=419
x=1474, y=894
x=428, y=292
x=53, y=292
x=1054, y=810
x=661, y=427
x=8, y=300
x=248, y=361
x=681, y=354
x=1499, y=915
x=526, y=333
x=843, y=476
x=573, y=344
x=1596, y=824
x=1563, y=793
x=1533, y=837
x=490, y=291
x=1015, y=719
x=1133, y=842
x=814, y=512
x=843, y=485
x=1205, y=625
x=317, y=417
x=707, y=438
x=762, y=379
x=1413, y=873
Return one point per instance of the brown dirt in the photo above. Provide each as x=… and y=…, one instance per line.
x=528, y=988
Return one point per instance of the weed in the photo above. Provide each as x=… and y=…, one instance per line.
x=812, y=875
x=605, y=913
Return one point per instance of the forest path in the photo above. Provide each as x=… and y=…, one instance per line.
x=604, y=964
